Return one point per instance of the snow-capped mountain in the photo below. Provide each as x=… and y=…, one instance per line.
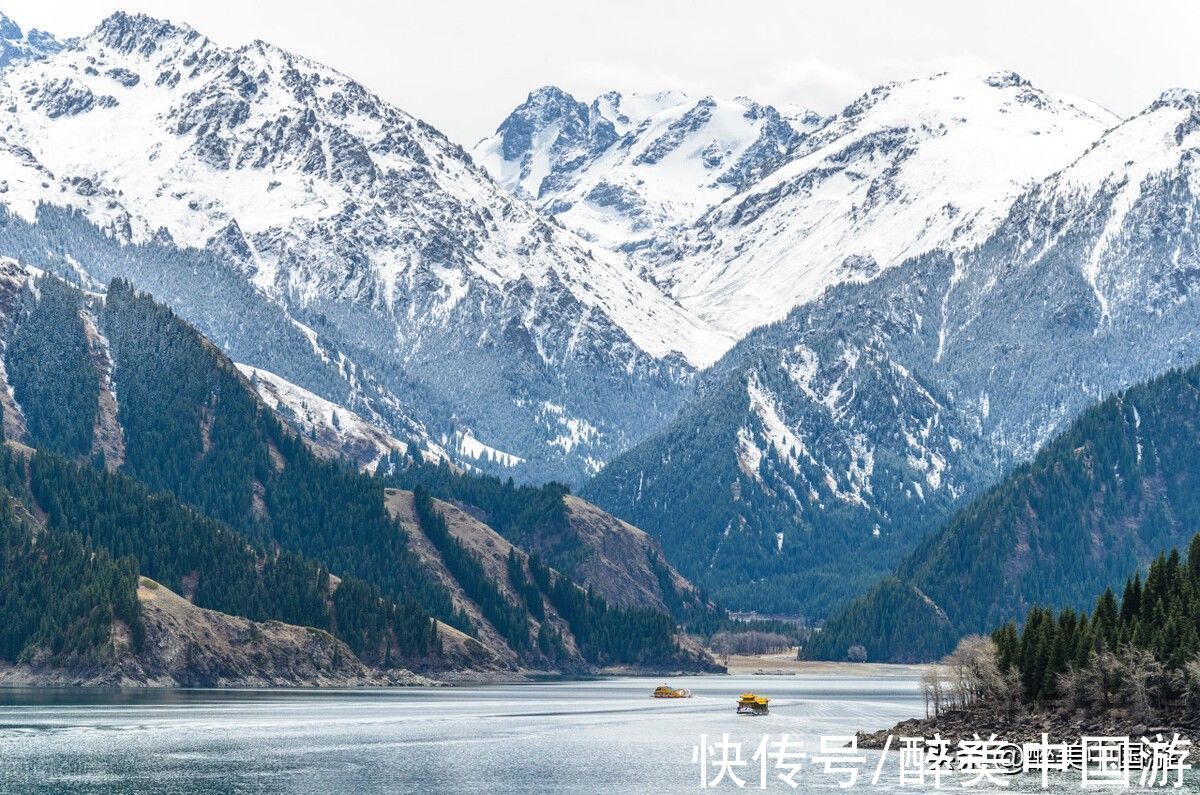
x=842, y=434
x=367, y=225
x=908, y=168
x=624, y=170
x=949, y=268
x=743, y=212
x=17, y=45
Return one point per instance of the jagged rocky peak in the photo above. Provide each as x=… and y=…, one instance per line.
x=1005, y=79
x=550, y=124
x=626, y=170
x=10, y=30
x=140, y=33
x=16, y=45
x=1178, y=98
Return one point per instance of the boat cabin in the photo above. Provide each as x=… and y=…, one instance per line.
x=751, y=704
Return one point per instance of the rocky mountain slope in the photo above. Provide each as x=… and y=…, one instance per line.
x=619, y=562
x=366, y=225
x=855, y=425
x=188, y=646
x=1116, y=489
x=332, y=430
x=17, y=45
x=625, y=171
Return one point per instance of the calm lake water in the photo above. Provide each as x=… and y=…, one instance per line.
x=574, y=737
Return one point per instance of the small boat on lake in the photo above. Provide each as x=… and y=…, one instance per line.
x=751, y=704
x=666, y=691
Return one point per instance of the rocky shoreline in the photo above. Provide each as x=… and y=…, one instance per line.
x=1061, y=726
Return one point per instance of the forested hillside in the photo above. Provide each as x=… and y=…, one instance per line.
x=622, y=564
x=1118, y=486
x=216, y=568
x=1155, y=625
x=60, y=594
x=205, y=490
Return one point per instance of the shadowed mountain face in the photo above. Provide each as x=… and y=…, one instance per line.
x=1116, y=489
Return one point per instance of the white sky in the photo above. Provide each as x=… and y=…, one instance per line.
x=462, y=66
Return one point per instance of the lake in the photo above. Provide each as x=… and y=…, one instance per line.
x=573, y=737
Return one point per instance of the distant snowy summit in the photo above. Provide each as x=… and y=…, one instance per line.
x=623, y=168
x=743, y=211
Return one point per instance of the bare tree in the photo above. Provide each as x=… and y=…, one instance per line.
x=974, y=671
x=1101, y=681
x=1191, y=684
x=1143, y=680
x=1073, y=684
x=931, y=690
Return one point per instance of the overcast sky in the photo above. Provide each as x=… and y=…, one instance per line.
x=463, y=66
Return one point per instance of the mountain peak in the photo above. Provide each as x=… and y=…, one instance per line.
x=1179, y=98
x=127, y=32
x=16, y=45
x=1005, y=78
x=9, y=29
x=549, y=93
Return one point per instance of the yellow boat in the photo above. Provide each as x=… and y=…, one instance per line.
x=751, y=704
x=666, y=691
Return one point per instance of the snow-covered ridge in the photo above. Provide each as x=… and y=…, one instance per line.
x=279, y=158
x=908, y=168
x=333, y=431
x=742, y=211
x=623, y=170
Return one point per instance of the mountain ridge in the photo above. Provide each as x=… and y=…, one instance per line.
x=364, y=225
x=951, y=367
x=245, y=497
x=1104, y=498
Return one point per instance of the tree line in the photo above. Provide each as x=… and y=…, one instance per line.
x=1138, y=653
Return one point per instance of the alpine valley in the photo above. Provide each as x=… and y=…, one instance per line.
x=291, y=375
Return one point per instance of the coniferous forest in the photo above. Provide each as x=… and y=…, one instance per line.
x=1143, y=645
x=1100, y=500
x=1132, y=661
x=207, y=492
